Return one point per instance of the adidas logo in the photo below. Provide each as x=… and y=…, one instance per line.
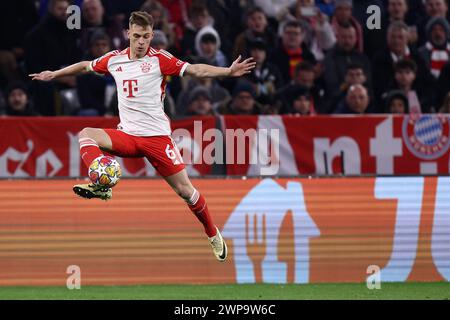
x=119, y=69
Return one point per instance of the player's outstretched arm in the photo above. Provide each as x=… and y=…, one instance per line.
x=72, y=70
x=237, y=69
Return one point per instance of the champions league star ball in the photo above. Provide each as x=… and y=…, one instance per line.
x=105, y=171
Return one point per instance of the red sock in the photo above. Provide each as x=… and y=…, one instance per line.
x=89, y=150
x=198, y=206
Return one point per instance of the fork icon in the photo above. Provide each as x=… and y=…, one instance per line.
x=256, y=241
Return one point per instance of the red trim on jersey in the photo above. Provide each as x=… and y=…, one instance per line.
x=168, y=64
x=163, y=87
x=100, y=65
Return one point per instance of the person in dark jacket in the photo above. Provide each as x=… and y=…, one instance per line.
x=397, y=102
x=91, y=87
x=18, y=102
x=304, y=78
x=257, y=27
x=357, y=101
x=398, y=49
x=50, y=46
x=242, y=102
x=341, y=57
x=291, y=51
x=265, y=76
x=436, y=51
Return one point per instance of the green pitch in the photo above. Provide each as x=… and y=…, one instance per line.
x=420, y=291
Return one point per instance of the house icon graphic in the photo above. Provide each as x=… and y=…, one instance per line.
x=256, y=222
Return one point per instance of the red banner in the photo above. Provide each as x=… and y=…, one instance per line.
x=383, y=145
x=252, y=146
x=48, y=147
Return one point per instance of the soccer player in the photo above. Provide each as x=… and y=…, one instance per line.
x=144, y=130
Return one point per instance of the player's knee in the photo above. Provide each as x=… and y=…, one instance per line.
x=87, y=133
x=184, y=191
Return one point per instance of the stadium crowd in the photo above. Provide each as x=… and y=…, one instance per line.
x=313, y=57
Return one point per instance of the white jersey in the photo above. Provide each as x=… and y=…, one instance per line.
x=141, y=86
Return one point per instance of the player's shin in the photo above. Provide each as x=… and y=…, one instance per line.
x=198, y=206
x=89, y=150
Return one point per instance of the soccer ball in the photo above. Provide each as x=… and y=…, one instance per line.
x=105, y=171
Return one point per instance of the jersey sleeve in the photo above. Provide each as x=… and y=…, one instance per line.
x=100, y=65
x=170, y=65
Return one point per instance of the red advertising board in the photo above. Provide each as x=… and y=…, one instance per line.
x=389, y=229
x=252, y=146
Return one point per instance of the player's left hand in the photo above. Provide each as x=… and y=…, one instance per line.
x=238, y=68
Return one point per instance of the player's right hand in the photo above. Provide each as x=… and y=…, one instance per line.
x=43, y=76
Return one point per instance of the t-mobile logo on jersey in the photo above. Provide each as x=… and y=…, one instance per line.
x=130, y=86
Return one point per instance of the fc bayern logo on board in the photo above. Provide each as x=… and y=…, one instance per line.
x=145, y=67
x=426, y=136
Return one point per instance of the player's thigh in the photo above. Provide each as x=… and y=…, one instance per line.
x=165, y=157
x=122, y=144
x=98, y=135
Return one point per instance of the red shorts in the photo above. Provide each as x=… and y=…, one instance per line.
x=161, y=151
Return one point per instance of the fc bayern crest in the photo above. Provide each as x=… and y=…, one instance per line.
x=145, y=67
x=426, y=136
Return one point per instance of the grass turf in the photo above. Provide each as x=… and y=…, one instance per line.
x=388, y=291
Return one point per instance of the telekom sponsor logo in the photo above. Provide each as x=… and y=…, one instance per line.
x=130, y=87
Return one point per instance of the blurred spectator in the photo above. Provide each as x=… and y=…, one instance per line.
x=16, y=19
x=17, y=100
x=397, y=49
x=92, y=88
x=398, y=11
x=405, y=76
x=242, y=102
x=94, y=18
x=443, y=85
x=116, y=8
x=342, y=16
x=433, y=9
x=353, y=76
x=319, y=35
x=340, y=57
x=357, y=101
x=217, y=93
x=291, y=51
x=436, y=50
x=178, y=14
x=198, y=18
x=275, y=9
x=51, y=46
x=257, y=27
x=304, y=78
x=199, y=102
x=445, y=108
x=161, y=22
x=265, y=76
x=159, y=40
x=397, y=102
x=301, y=103
x=207, y=45
x=326, y=6
x=227, y=23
